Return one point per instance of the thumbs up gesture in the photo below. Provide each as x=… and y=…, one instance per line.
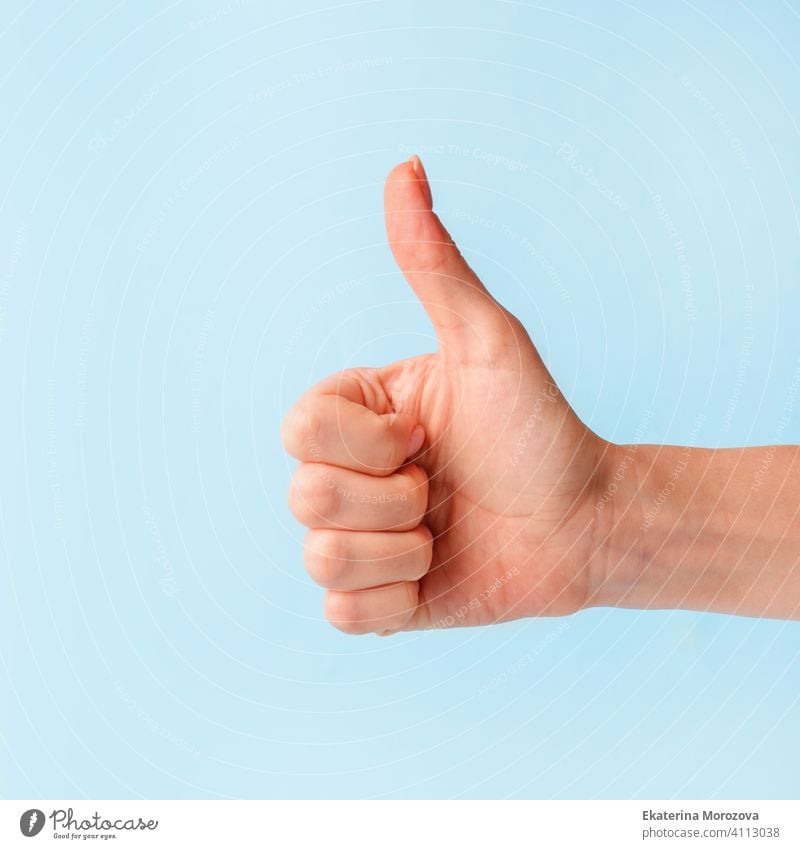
x=454, y=488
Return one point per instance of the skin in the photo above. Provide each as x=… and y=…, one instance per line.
x=459, y=488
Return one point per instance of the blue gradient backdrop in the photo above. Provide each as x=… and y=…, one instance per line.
x=191, y=233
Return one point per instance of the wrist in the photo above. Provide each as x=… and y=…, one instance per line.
x=699, y=529
x=660, y=529
x=617, y=563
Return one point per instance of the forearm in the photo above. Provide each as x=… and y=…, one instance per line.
x=700, y=529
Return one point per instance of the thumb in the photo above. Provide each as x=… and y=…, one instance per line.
x=466, y=318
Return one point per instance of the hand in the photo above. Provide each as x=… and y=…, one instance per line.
x=455, y=488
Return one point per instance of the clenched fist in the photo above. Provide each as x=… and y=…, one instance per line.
x=455, y=488
x=459, y=488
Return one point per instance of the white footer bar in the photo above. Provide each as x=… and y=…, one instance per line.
x=400, y=824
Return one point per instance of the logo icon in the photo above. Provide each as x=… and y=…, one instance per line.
x=31, y=822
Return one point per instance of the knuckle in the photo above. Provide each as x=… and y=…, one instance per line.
x=516, y=326
x=518, y=331
x=501, y=327
x=302, y=429
x=312, y=494
x=342, y=611
x=324, y=554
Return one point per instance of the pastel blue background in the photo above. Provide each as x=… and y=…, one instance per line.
x=191, y=233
